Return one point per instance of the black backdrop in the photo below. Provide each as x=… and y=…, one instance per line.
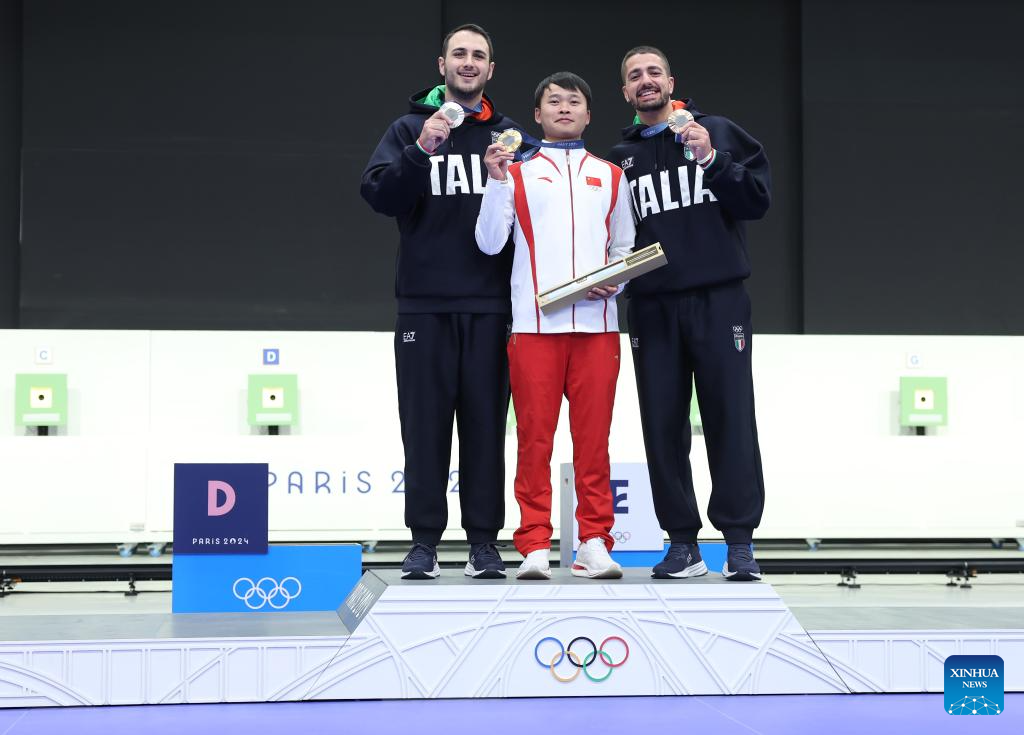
x=195, y=163
x=913, y=164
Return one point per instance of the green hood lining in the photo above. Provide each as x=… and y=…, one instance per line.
x=434, y=98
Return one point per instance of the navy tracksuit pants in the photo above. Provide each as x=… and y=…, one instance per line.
x=453, y=367
x=700, y=336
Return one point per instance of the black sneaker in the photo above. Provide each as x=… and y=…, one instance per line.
x=485, y=562
x=421, y=563
x=740, y=565
x=681, y=561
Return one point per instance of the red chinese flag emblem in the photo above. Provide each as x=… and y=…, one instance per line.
x=593, y=181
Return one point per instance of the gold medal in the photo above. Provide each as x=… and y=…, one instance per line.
x=454, y=113
x=510, y=140
x=678, y=118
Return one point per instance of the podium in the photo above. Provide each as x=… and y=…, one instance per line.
x=456, y=637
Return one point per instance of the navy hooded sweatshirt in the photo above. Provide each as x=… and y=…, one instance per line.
x=697, y=215
x=435, y=200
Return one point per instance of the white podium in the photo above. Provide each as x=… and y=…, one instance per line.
x=635, y=636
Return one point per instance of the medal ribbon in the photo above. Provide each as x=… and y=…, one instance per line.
x=655, y=129
x=560, y=144
x=566, y=145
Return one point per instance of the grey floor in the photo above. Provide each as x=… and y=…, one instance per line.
x=905, y=602
x=101, y=611
x=453, y=553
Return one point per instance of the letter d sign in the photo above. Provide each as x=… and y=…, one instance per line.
x=220, y=501
x=212, y=507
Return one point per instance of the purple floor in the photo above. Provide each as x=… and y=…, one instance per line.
x=867, y=714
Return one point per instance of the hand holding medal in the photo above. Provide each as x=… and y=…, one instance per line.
x=694, y=137
x=439, y=126
x=677, y=122
x=502, y=152
x=496, y=159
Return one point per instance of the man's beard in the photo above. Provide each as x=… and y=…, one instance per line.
x=452, y=81
x=656, y=104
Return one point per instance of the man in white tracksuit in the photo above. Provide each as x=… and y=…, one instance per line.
x=570, y=213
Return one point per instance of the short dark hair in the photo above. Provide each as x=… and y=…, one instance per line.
x=565, y=80
x=637, y=50
x=469, y=27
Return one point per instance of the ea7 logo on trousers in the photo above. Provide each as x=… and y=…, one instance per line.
x=408, y=336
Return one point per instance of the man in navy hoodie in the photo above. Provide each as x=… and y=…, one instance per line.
x=689, y=321
x=454, y=307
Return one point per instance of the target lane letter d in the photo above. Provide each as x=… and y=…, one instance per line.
x=213, y=508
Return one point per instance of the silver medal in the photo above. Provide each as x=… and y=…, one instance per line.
x=454, y=113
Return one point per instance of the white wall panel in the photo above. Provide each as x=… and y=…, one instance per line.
x=836, y=463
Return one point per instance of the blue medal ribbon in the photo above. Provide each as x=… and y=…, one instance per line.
x=562, y=144
x=566, y=145
x=655, y=129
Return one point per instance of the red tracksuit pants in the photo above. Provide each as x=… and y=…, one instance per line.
x=584, y=368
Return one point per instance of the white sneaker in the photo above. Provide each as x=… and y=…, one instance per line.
x=535, y=565
x=593, y=561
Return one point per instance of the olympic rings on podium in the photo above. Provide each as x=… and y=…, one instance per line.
x=257, y=594
x=587, y=662
x=576, y=663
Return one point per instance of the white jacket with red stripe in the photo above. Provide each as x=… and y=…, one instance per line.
x=571, y=212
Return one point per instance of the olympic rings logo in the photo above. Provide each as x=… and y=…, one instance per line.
x=267, y=591
x=621, y=535
x=574, y=659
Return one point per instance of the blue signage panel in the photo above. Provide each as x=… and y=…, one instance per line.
x=974, y=685
x=221, y=508
x=285, y=579
x=713, y=553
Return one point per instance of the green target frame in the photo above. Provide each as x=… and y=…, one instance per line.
x=273, y=400
x=923, y=402
x=41, y=399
